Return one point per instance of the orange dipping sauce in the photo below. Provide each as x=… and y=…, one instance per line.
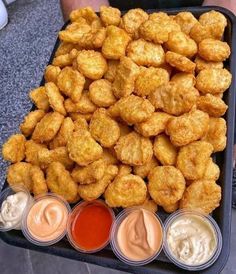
x=90, y=226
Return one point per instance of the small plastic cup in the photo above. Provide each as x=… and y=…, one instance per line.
x=114, y=243
x=26, y=231
x=205, y=218
x=11, y=191
x=75, y=212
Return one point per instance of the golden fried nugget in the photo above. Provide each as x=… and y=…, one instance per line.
x=192, y=159
x=126, y=74
x=30, y=121
x=216, y=134
x=181, y=43
x=115, y=43
x=56, y=100
x=134, y=149
x=66, y=130
x=111, y=71
x=149, y=80
x=211, y=104
x=100, y=93
x=124, y=170
x=125, y=191
x=188, y=127
x=40, y=99
x=199, y=32
x=71, y=83
x=150, y=205
x=91, y=64
x=108, y=157
x=51, y=73
x=124, y=129
x=213, y=80
x=145, y=169
x=204, y=195
x=83, y=149
x=174, y=98
x=159, y=16
x=87, y=13
x=73, y=54
x=202, y=64
x=185, y=79
x=167, y=67
x=93, y=191
x=103, y=128
x=110, y=16
x=31, y=152
x=60, y=182
x=65, y=48
x=153, y=125
x=144, y=53
x=180, y=62
x=186, y=20
x=62, y=61
x=212, y=171
x=98, y=38
x=39, y=185
x=19, y=174
x=75, y=116
x=164, y=150
x=166, y=185
x=47, y=127
x=171, y=207
x=213, y=50
x=80, y=123
x=13, y=149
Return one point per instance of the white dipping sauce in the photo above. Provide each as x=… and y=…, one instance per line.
x=191, y=240
x=12, y=210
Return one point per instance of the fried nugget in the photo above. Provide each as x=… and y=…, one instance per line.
x=115, y=43
x=80, y=123
x=108, y=157
x=30, y=121
x=124, y=170
x=126, y=74
x=76, y=115
x=31, y=152
x=134, y=149
x=211, y=104
x=185, y=79
x=110, y=16
x=125, y=191
x=13, y=149
x=100, y=93
x=192, y=159
x=51, y=73
x=150, y=205
x=164, y=150
x=213, y=80
x=99, y=125
x=180, y=62
x=71, y=83
x=212, y=171
x=83, y=149
x=62, y=61
x=166, y=185
x=111, y=71
x=124, y=129
x=145, y=169
x=47, y=127
x=188, y=127
x=60, y=182
x=171, y=207
x=65, y=48
x=39, y=98
x=216, y=134
x=87, y=13
x=153, y=125
x=199, y=32
x=203, y=64
x=39, y=185
x=93, y=191
x=202, y=195
x=185, y=20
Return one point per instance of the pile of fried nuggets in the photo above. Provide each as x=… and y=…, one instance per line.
x=130, y=110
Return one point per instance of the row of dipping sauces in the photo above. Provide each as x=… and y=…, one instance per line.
x=190, y=239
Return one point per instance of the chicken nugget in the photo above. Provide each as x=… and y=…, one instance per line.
x=83, y=149
x=185, y=79
x=115, y=43
x=164, y=150
x=91, y=64
x=216, y=134
x=108, y=157
x=51, y=73
x=134, y=149
x=111, y=71
x=125, y=191
x=65, y=48
x=39, y=185
x=212, y=171
x=100, y=93
x=150, y=205
x=98, y=38
x=185, y=20
x=99, y=125
x=110, y=16
x=56, y=100
x=192, y=159
x=199, y=32
x=80, y=123
x=174, y=98
x=87, y=13
x=166, y=185
x=188, y=127
x=93, y=191
x=204, y=195
x=124, y=170
x=30, y=121
x=124, y=129
x=71, y=83
x=213, y=80
x=39, y=98
x=145, y=169
x=60, y=182
x=62, y=61
x=149, y=80
x=47, y=127
x=126, y=74
x=203, y=64
x=153, y=125
x=211, y=104
x=180, y=62
x=75, y=116
x=213, y=50
x=31, y=152
x=13, y=149
x=171, y=207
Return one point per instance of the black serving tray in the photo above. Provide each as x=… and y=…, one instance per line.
x=222, y=214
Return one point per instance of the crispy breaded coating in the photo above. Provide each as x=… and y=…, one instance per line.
x=31, y=152
x=110, y=16
x=87, y=13
x=145, y=169
x=39, y=98
x=203, y=64
x=39, y=185
x=51, y=73
x=62, y=61
x=150, y=205
x=212, y=171
x=171, y=207
x=85, y=105
x=109, y=157
x=180, y=62
x=80, y=123
x=185, y=20
x=111, y=71
x=30, y=121
x=199, y=32
x=124, y=170
x=185, y=79
x=76, y=115
x=65, y=48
